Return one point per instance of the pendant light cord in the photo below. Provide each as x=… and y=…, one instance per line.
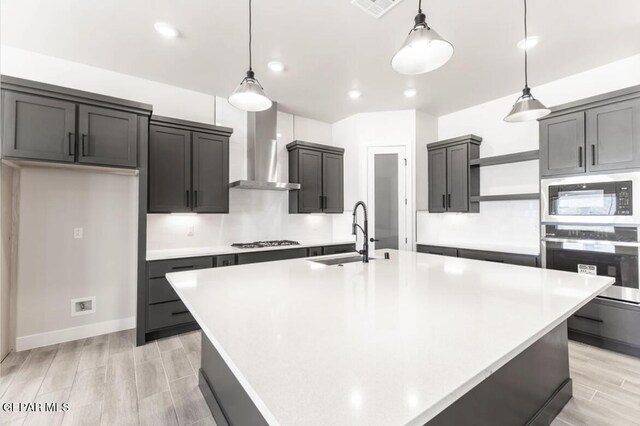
x=419, y=6
x=250, y=36
x=526, y=79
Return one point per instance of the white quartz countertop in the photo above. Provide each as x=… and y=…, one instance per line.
x=391, y=342
x=220, y=250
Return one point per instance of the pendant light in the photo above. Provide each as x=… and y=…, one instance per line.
x=249, y=95
x=526, y=107
x=423, y=50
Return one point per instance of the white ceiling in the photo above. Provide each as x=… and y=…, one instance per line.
x=329, y=46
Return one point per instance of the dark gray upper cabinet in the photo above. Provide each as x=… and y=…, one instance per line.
x=107, y=137
x=45, y=122
x=332, y=184
x=613, y=136
x=452, y=180
x=188, y=167
x=37, y=127
x=210, y=173
x=438, y=180
x=562, y=145
x=319, y=169
x=597, y=134
x=169, y=169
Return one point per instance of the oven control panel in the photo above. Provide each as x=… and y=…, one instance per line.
x=598, y=233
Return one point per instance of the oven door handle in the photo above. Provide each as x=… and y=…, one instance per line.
x=601, y=242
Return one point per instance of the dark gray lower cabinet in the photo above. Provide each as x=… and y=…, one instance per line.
x=37, y=127
x=107, y=137
x=489, y=256
x=165, y=315
x=609, y=324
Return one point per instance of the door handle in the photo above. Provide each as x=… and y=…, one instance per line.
x=85, y=150
x=373, y=240
x=449, y=200
x=444, y=202
x=72, y=150
x=593, y=154
x=579, y=156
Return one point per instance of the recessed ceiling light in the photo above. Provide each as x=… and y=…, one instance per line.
x=166, y=30
x=410, y=93
x=276, y=66
x=354, y=94
x=529, y=42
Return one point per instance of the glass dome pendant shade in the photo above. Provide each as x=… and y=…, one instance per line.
x=527, y=108
x=249, y=95
x=423, y=50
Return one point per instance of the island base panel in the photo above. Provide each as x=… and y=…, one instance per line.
x=227, y=400
x=531, y=389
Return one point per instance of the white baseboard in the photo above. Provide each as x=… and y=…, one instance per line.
x=74, y=333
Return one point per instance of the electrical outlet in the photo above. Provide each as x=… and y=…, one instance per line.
x=191, y=230
x=77, y=233
x=83, y=306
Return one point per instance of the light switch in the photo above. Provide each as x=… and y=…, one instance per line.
x=77, y=233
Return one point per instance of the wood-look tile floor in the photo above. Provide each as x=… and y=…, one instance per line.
x=107, y=380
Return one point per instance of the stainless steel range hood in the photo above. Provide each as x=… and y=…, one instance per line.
x=262, y=153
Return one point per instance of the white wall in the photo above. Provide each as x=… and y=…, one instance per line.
x=46, y=279
x=512, y=225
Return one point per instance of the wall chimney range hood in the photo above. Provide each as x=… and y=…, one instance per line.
x=262, y=153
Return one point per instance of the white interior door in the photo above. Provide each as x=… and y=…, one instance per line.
x=387, y=197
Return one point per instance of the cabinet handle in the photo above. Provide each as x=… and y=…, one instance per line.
x=85, y=150
x=444, y=202
x=494, y=260
x=187, y=191
x=195, y=198
x=72, y=150
x=175, y=268
x=449, y=200
x=593, y=154
x=588, y=318
x=325, y=202
x=579, y=156
x=179, y=313
x=320, y=199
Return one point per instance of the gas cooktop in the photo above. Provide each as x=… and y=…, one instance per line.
x=262, y=244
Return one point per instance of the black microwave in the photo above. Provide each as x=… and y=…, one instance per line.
x=591, y=199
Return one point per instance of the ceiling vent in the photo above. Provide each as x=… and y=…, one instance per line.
x=376, y=8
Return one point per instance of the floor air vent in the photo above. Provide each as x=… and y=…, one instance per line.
x=375, y=8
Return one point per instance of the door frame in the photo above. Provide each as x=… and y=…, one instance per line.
x=404, y=220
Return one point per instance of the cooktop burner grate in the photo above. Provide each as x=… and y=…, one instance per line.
x=262, y=244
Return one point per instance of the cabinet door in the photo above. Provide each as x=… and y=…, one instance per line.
x=437, y=180
x=458, y=178
x=332, y=183
x=310, y=176
x=107, y=137
x=210, y=173
x=613, y=136
x=562, y=149
x=169, y=170
x=38, y=128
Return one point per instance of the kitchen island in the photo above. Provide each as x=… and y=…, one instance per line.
x=414, y=339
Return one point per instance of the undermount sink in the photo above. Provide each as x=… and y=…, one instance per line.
x=340, y=260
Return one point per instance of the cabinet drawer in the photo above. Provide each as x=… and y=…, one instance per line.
x=168, y=314
x=492, y=256
x=314, y=251
x=161, y=291
x=615, y=322
x=268, y=256
x=225, y=260
x=443, y=251
x=159, y=268
x=344, y=248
